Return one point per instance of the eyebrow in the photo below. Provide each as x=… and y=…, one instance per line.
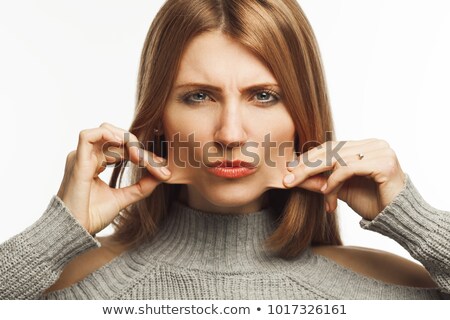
x=218, y=89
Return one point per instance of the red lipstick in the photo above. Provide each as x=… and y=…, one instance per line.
x=231, y=169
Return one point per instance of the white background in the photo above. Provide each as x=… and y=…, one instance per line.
x=71, y=65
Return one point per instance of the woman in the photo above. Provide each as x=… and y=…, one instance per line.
x=237, y=89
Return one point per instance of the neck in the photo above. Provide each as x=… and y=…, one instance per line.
x=226, y=242
x=193, y=199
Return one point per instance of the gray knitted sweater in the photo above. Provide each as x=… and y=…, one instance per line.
x=202, y=255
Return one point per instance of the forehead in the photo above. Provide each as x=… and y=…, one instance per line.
x=213, y=57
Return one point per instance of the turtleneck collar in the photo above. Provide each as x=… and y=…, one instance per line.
x=227, y=242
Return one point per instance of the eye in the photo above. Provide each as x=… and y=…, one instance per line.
x=265, y=95
x=193, y=97
x=198, y=97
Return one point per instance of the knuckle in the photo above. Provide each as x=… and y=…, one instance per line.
x=390, y=166
x=391, y=153
x=383, y=143
x=70, y=157
x=83, y=134
x=71, y=154
x=105, y=124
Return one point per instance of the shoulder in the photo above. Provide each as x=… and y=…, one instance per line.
x=378, y=264
x=84, y=264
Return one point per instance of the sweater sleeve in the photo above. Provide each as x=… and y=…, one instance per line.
x=421, y=229
x=33, y=260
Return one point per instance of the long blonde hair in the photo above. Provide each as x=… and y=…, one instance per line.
x=278, y=33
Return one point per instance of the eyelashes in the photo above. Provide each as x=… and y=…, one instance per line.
x=190, y=99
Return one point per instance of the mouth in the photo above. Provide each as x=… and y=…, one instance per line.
x=231, y=169
x=231, y=164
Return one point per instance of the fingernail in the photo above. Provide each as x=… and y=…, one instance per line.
x=289, y=178
x=324, y=187
x=165, y=171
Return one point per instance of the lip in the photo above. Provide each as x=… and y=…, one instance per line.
x=231, y=169
x=231, y=164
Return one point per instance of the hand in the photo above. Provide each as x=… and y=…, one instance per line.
x=90, y=200
x=367, y=185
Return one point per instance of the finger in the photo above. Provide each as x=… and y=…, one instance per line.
x=332, y=198
x=118, y=132
x=67, y=172
x=321, y=161
x=131, y=142
x=313, y=183
x=138, y=191
x=350, y=148
x=113, y=154
x=89, y=159
x=337, y=179
x=309, y=167
x=319, y=152
x=155, y=165
x=134, y=150
x=366, y=168
x=89, y=137
x=333, y=187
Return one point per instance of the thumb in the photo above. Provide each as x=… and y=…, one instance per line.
x=138, y=191
x=314, y=183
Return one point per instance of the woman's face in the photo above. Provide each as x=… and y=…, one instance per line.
x=242, y=118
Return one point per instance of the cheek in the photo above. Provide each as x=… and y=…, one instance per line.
x=281, y=131
x=274, y=156
x=175, y=122
x=185, y=121
x=186, y=135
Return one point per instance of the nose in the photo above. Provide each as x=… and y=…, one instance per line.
x=230, y=128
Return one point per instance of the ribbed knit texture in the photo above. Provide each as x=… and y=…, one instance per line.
x=203, y=255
